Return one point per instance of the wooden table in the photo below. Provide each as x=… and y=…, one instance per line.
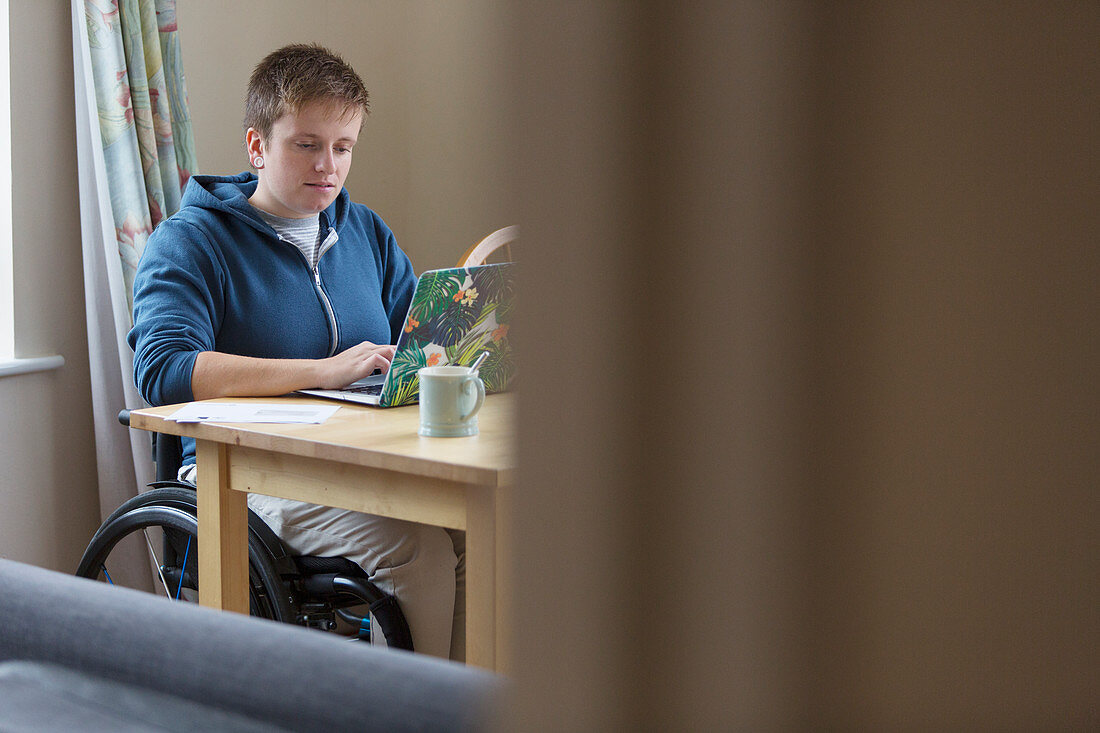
x=369, y=460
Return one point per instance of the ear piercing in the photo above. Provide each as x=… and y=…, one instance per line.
x=259, y=162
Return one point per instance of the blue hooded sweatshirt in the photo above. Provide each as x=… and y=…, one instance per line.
x=216, y=277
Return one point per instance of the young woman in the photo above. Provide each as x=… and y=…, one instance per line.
x=270, y=282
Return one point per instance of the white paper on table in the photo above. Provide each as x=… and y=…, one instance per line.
x=269, y=412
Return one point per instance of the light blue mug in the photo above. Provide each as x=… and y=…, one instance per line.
x=450, y=397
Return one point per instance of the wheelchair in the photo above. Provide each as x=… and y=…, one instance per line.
x=310, y=591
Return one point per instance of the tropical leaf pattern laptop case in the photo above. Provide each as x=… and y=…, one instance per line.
x=454, y=316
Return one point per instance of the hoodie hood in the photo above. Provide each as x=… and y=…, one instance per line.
x=230, y=194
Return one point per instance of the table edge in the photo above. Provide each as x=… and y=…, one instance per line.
x=151, y=419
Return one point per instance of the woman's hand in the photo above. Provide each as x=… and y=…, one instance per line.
x=228, y=375
x=352, y=365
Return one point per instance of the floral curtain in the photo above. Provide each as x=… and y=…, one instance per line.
x=143, y=117
x=136, y=153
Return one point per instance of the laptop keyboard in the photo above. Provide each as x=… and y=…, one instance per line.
x=365, y=389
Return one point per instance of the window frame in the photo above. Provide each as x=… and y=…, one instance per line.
x=7, y=263
x=10, y=363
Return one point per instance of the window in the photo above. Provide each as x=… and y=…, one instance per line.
x=7, y=286
x=9, y=364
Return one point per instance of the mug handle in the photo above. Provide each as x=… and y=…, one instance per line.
x=480, y=387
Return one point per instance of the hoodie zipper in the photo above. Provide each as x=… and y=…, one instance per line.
x=326, y=245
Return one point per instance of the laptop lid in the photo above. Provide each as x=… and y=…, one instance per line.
x=455, y=315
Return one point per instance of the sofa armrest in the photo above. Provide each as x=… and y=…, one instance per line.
x=38, y=696
x=262, y=670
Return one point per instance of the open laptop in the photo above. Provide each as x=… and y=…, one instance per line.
x=455, y=315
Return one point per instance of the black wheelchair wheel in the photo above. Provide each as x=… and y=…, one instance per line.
x=165, y=519
x=179, y=495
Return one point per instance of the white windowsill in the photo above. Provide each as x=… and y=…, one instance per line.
x=9, y=367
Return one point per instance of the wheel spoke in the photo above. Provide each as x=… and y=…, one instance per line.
x=183, y=567
x=156, y=561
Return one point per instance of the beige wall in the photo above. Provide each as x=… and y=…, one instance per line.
x=427, y=159
x=49, y=504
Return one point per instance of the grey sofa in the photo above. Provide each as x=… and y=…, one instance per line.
x=80, y=655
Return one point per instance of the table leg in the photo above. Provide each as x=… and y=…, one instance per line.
x=223, y=532
x=481, y=577
x=504, y=579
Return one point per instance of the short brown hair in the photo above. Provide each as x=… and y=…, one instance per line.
x=296, y=75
